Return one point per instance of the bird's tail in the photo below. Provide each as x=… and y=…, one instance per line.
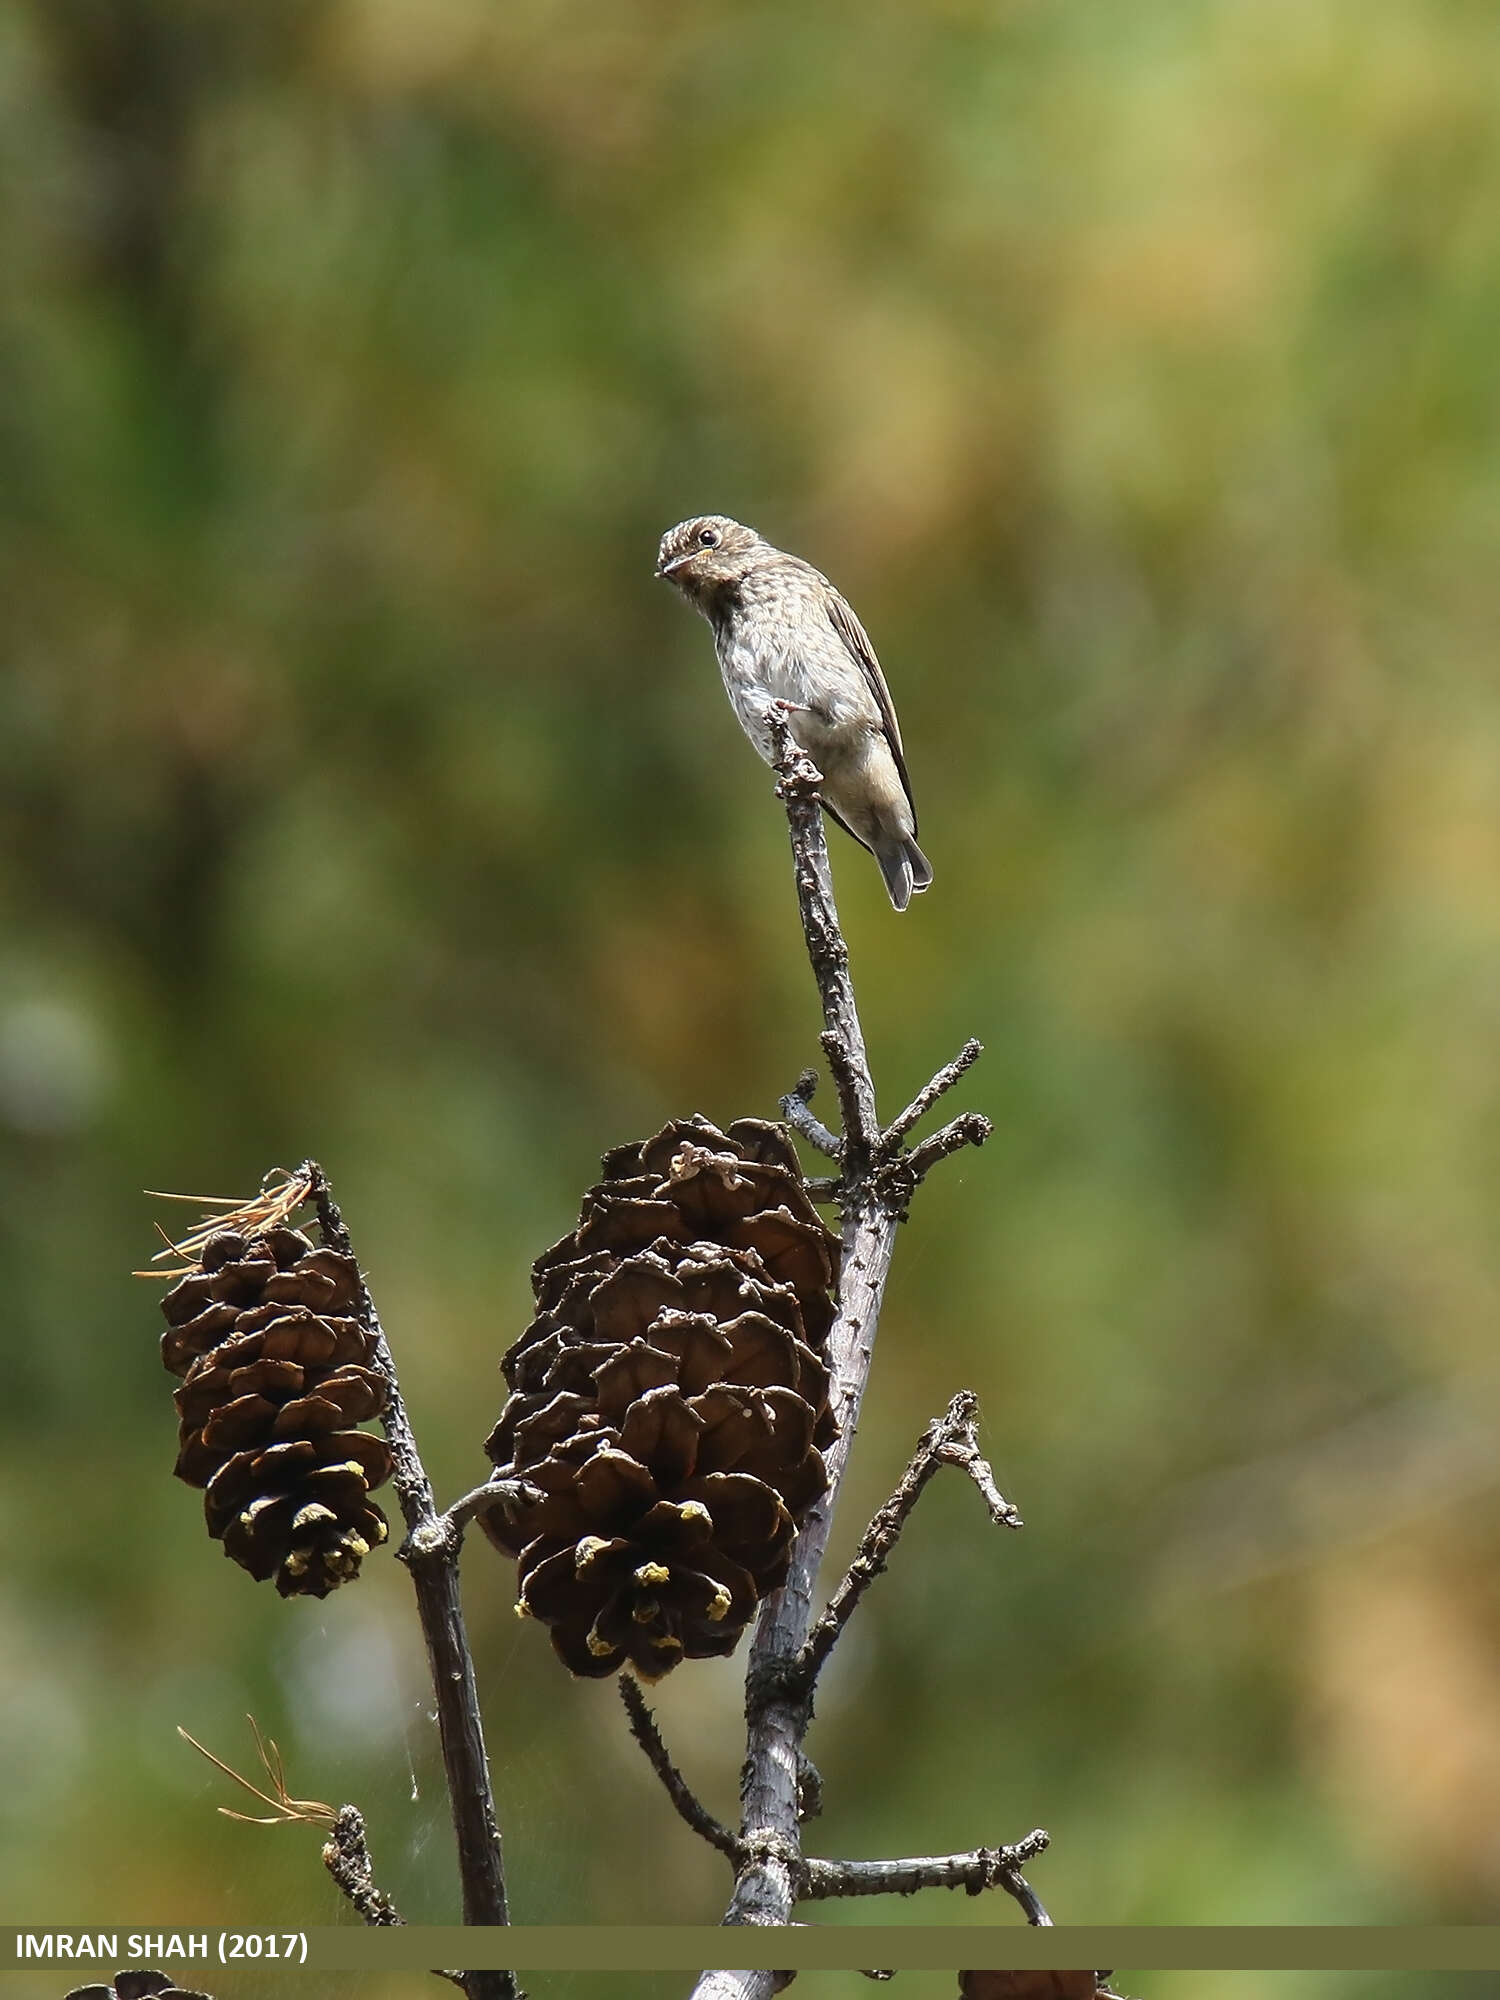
x=906, y=869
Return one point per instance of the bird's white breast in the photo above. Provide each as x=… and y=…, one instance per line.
x=753, y=677
x=788, y=651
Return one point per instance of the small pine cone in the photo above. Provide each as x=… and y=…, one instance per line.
x=136, y=1984
x=669, y=1401
x=276, y=1372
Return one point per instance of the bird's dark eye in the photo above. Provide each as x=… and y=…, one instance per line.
x=709, y=537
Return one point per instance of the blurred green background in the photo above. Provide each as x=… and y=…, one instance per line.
x=1132, y=368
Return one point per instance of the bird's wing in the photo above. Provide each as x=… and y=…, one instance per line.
x=839, y=820
x=857, y=640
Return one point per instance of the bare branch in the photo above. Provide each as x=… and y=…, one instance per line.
x=741, y=1985
x=690, y=1808
x=1017, y=1886
x=511, y=1496
x=796, y=1109
x=876, y=1180
x=984, y=1868
x=346, y=1856
x=929, y=1094
x=430, y=1553
x=951, y=1439
x=776, y=1711
x=777, y=1707
x=970, y=1128
x=413, y=1488
x=873, y=1187
x=961, y=1448
x=844, y=1040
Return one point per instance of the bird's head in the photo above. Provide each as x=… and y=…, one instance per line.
x=703, y=555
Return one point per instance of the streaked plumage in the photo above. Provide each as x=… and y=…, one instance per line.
x=782, y=633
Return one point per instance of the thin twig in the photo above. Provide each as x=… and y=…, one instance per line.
x=929, y=1094
x=983, y=1868
x=346, y=1856
x=430, y=1553
x=970, y=1128
x=951, y=1439
x=1017, y=1886
x=689, y=1807
x=509, y=1496
x=843, y=1041
x=851, y=1079
x=796, y=1109
x=963, y=1451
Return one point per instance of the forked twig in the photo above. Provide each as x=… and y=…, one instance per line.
x=930, y=1092
x=951, y=1439
x=796, y=1109
x=983, y=1868
x=970, y=1128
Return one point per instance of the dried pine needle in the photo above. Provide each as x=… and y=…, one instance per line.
x=285, y=1810
x=282, y=1194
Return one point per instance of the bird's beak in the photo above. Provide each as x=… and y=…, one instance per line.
x=666, y=568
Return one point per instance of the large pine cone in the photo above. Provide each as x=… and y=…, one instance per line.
x=276, y=1371
x=669, y=1400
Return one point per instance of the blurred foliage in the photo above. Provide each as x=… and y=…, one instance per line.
x=1132, y=369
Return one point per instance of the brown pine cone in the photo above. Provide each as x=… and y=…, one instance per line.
x=277, y=1372
x=670, y=1399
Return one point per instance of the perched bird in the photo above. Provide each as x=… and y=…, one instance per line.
x=784, y=636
